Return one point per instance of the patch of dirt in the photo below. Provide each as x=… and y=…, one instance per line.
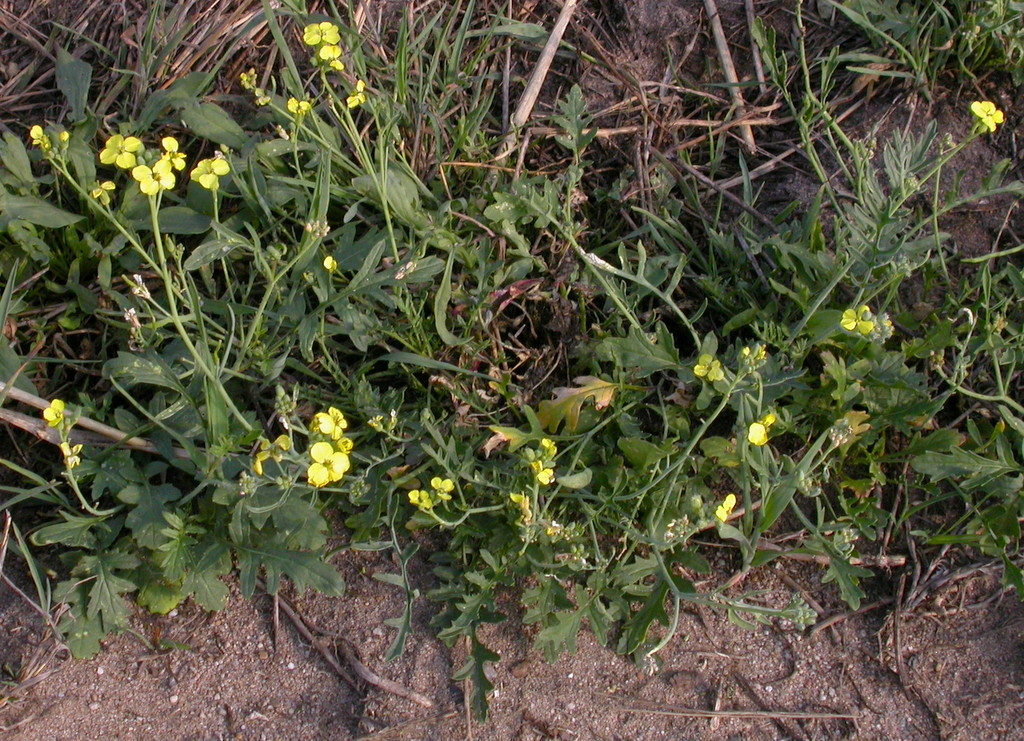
x=961, y=658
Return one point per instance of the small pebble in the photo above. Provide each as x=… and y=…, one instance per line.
x=174, y=699
x=290, y=666
x=94, y=706
x=99, y=671
x=173, y=613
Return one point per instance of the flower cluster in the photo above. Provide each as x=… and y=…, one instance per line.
x=864, y=322
x=325, y=39
x=725, y=508
x=989, y=117
x=522, y=502
x=58, y=420
x=121, y=151
x=757, y=433
x=542, y=462
x=270, y=451
x=330, y=458
x=440, y=491
x=753, y=357
x=40, y=139
x=208, y=172
x=358, y=96
x=248, y=82
x=155, y=174
x=299, y=108
x=709, y=368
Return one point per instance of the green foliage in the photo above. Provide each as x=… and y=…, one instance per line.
x=326, y=321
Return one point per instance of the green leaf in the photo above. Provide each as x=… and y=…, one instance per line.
x=34, y=211
x=83, y=636
x=146, y=520
x=559, y=634
x=847, y=577
x=640, y=453
x=206, y=589
x=210, y=121
x=76, y=531
x=474, y=671
x=441, y=298
x=775, y=501
x=306, y=569
x=147, y=369
x=1012, y=576
x=14, y=158
x=639, y=623
x=972, y=470
x=577, y=480
x=73, y=79
x=106, y=589
x=638, y=351
x=176, y=220
x=160, y=597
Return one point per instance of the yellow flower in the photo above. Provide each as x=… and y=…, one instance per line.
x=543, y=474
x=337, y=65
x=858, y=320
x=757, y=433
x=153, y=180
x=358, y=97
x=318, y=475
x=525, y=512
x=709, y=368
x=40, y=138
x=329, y=465
x=64, y=136
x=755, y=354
x=726, y=507
x=248, y=79
x=102, y=192
x=171, y=153
x=208, y=172
x=321, y=33
x=71, y=457
x=299, y=108
x=330, y=264
x=421, y=499
x=987, y=114
x=331, y=423
x=270, y=450
x=443, y=487
x=54, y=414
x=120, y=151
x=329, y=52
x=548, y=448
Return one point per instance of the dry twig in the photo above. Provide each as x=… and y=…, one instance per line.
x=729, y=69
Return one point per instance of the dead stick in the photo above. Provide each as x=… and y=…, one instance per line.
x=759, y=714
x=746, y=133
x=754, y=49
x=39, y=428
x=540, y=73
x=360, y=669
